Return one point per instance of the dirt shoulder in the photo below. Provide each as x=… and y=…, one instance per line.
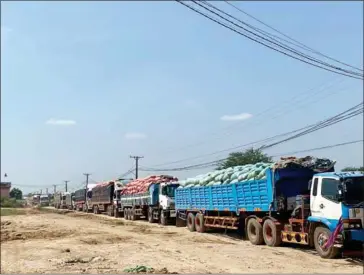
x=73, y=242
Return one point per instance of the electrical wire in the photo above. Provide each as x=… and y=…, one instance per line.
x=298, y=44
x=347, y=114
x=270, y=36
x=351, y=74
x=310, y=94
x=214, y=163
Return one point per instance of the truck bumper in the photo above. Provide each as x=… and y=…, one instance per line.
x=356, y=235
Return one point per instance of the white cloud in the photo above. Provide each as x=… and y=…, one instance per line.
x=60, y=122
x=241, y=116
x=135, y=136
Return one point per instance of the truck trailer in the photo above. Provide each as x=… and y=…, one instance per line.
x=156, y=203
x=291, y=205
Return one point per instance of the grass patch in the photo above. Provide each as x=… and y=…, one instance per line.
x=10, y=203
x=12, y=211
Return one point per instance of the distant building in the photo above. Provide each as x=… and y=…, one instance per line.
x=5, y=189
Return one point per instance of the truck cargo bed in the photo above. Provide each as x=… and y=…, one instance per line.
x=253, y=195
x=244, y=196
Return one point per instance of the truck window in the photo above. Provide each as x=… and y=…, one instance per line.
x=329, y=189
x=314, y=191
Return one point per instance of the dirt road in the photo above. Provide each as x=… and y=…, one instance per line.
x=41, y=242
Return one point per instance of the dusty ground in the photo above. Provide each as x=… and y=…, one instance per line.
x=86, y=243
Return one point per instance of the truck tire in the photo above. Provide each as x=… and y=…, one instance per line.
x=110, y=210
x=116, y=212
x=126, y=214
x=191, y=222
x=132, y=214
x=150, y=215
x=255, y=232
x=321, y=236
x=199, y=223
x=271, y=233
x=163, y=218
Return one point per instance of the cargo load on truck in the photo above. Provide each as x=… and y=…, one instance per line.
x=151, y=197
x=294, y=200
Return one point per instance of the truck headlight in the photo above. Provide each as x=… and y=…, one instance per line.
x=352, y=224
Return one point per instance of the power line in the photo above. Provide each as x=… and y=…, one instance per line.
x=299, y=44
x=272, y=40
x=319, y=148
x=349, y=113
x=214, y=163
x=350, y=73
x=308, y=94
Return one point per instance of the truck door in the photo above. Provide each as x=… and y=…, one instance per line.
x=324, y=201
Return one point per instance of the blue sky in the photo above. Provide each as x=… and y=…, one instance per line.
x=86, y=84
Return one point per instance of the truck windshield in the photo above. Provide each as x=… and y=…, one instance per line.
x=44, y=199
x=354, y=190
x=169, y=190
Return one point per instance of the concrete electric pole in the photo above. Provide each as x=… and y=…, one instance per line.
x=136, y=164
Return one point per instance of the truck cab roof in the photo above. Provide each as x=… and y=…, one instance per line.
x=341, y=174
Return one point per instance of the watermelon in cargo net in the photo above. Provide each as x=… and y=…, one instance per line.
x=140, y=186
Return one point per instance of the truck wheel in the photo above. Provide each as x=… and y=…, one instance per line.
x=116, y=212
x=163, y=218
x=191, y=222
x=132, y=214
x=126, y=213
x=199, y=223
x=255, y=232
x=321, y=236
x=150, y=215
x=271, y=233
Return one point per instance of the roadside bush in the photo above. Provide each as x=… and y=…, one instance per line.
x=10, y=203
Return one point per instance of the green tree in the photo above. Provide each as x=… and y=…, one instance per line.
x=352, y=168
x=249, y=156
x=16, y=194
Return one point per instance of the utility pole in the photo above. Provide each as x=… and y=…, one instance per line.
x=65, y=182
x=136, y=164
x=54, y=188
x=87, y=176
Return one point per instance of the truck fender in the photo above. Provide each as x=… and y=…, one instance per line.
x=253, y=217
x=276, y=222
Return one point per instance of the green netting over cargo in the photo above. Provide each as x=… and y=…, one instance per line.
x=235, y=174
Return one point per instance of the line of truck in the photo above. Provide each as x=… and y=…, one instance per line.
x=297, y=205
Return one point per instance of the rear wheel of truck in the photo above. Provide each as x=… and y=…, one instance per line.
x=132, y=214
x=116, y=212
x=191, y=222
x=163, y=218
x=199, y=223
x=255, y=232
x=321, y=236
x=271, y=233
x=150, y=215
